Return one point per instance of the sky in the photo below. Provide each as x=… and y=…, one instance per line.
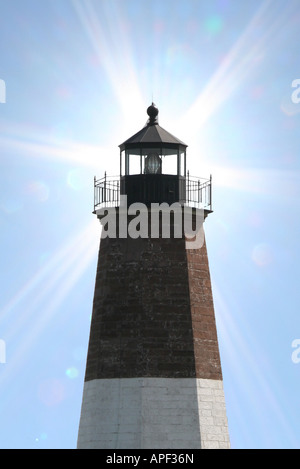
x=76, y=78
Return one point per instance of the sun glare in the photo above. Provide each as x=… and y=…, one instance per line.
x=46, y=290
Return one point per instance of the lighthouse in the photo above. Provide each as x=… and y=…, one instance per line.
x=153, y=374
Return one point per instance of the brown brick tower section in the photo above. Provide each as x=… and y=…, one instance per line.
x=206, y=349
x=153, y=312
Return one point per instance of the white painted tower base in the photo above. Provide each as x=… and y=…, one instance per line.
x=154, y=413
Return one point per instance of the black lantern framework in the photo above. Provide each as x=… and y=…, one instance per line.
x=150, y=159
x=153, y=170
x=153, y=165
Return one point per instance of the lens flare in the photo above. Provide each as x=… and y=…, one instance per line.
x=72, y=372
x=51, y=392
x=39, y=190
x=262, y=255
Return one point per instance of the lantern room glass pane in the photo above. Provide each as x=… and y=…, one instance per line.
x=170, y=161
x=182, y=164
x=133, y=161
x=122, y=163
x=153, y=161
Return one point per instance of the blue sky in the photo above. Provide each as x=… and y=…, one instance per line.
x=79, y=76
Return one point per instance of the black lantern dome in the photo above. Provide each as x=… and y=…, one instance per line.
x=153, y=164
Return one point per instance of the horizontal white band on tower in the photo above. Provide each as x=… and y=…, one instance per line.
x=178, y=413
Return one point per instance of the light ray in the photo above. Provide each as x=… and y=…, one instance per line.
x=74, y=152
x=40, y=298
x=281, y=184
x=242, y=61
x=114, y=53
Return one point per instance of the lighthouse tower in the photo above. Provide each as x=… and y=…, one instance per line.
x=153, y=374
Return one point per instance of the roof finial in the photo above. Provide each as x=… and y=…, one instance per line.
x=152, y=112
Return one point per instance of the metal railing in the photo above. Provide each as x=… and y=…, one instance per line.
x=198, y=192
x=106, y=191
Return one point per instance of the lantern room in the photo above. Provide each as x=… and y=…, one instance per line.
x=153, y=165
